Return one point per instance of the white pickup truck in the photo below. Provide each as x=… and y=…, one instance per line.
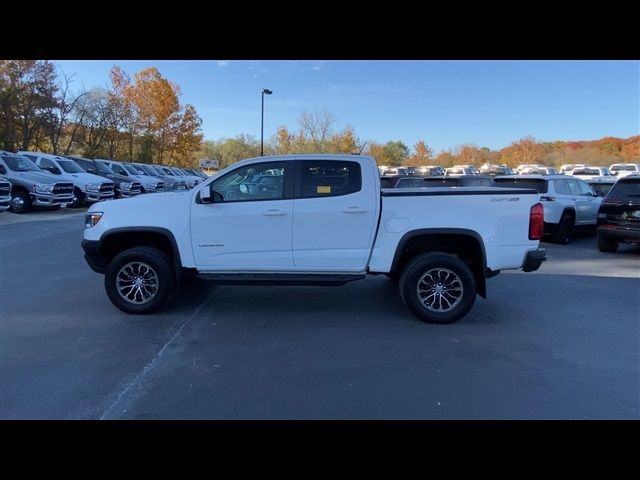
x=315, y=220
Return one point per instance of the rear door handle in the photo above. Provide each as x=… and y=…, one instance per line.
x=274, y=213
x=354, y=210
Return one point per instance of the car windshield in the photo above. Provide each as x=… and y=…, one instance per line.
x=69, y=166
x=102, y=168
x=628, y=188
x=623, y=168
x=133, y=170
x=533, y=183
x=149, y=170
x=20, y=164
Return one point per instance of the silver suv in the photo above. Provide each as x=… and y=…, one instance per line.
x=568, y=202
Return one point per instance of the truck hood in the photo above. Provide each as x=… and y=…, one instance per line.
x=35, y=177
x=137, y=209
x=84, y=178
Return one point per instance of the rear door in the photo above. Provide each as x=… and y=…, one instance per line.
x=582, y=203
x=335, y=213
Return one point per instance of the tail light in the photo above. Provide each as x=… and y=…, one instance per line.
x=536, y=222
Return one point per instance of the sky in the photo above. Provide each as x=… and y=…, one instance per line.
x=445, y=103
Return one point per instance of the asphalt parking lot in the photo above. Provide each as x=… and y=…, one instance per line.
x=560, y=343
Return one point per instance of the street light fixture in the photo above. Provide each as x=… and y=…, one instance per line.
x=265, y=91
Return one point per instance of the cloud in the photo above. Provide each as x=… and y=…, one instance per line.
x=316, y=67
x=222, y=63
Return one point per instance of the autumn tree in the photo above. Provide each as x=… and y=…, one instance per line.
x=317, y=126
x=422, y=154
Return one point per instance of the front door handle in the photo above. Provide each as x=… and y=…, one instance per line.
x=354, y=210
x=274, y=213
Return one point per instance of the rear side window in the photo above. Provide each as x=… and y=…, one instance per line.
x=532, y=183
x=561, y=187
x=625, y=188
x=574, y=188
x=329, y=178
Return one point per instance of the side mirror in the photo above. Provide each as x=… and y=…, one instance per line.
x=205, y=195
x=3, y=170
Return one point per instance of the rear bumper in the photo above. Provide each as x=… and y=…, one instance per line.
x=620, y=234
x=93, y=257
x=533, y=259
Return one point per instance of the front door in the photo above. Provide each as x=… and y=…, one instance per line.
x=248, y=226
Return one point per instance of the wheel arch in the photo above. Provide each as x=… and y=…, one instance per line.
x=464, y=243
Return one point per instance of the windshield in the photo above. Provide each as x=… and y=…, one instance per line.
x=102, y=168
x=623, y=168
x=69, y=166
x=166, y=171
x=20, y=164
x=133, y=170
x=535, y=184
x=150, y=170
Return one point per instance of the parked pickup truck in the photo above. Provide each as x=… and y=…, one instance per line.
x=5, y=194
x=315, y=220
x=31, y=186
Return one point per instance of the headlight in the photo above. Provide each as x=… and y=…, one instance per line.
x=43, y=188
x=125, y=186
x=91, y=219
x=93, y=187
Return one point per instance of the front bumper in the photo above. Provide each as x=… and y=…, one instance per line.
x=620, y=234
x=127, y=193
x=44, y=200
x=533, y=259
x=5, y=203
x=98, y=197
x=92, y=255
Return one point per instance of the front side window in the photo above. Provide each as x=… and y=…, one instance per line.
x=261, y=181
x=47, y=164
x=329, y=178
x=585, y=189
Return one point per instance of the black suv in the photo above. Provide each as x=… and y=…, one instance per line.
x=619, y=215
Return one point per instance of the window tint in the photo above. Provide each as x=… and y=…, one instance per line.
x=625, y=188
x=69, y=166
x=386, y=183
x=118, y=169
x=328, y=178
x=574, y=188
x=561, y=187
x=409, y=182
x=624, y=168
x=259, y=181
x=533, y=183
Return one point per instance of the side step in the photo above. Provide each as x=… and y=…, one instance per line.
x=308, y=279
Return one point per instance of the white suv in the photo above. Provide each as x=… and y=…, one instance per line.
x=87, y=188
x=568, y=202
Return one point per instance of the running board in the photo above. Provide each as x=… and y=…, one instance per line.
x=290, y=279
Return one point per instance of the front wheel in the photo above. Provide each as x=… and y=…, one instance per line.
x=78, y=199
x=139, y=280
x=438, y=288
x=20, y=202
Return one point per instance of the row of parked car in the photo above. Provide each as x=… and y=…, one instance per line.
x=29, y=179
x=570, y=203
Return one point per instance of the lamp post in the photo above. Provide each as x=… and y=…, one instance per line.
x=265, y=91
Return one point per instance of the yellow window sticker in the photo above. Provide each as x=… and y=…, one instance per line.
x=324, y=189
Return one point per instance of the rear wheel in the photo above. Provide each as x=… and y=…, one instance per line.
x=564, y=231
x=20, y=202
x=438, y=288
x=139, y=280
x=606, y=244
